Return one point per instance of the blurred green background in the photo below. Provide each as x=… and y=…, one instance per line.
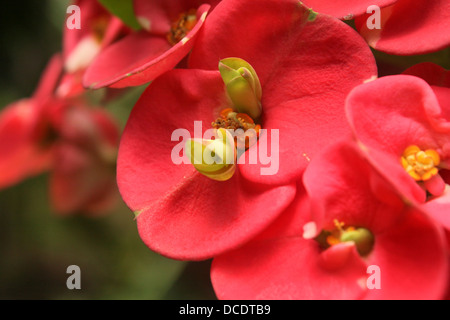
x=36, y=244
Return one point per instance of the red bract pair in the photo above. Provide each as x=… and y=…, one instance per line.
x=169, y=30
x=306, y=65
x=406, y=26
x=78, y=144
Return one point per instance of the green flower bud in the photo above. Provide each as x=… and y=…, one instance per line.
x=243, y=86
x=215, y=159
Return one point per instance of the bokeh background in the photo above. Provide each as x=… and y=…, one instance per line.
x=36, y=244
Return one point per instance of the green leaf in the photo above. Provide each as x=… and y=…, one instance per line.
x=123, y=9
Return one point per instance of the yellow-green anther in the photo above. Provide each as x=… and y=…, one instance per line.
x=243, y=86
x=362, y=238
x=215, y=159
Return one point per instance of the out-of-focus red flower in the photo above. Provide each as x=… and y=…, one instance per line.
x=83, y=174
x=76, y=143
x=409, y=27
x=404, y=131
x=26, y=137
x=169, y=30
x=321, y=247
x=304, y=78
x=99, y=28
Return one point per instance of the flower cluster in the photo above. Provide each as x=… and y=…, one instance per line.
x=265, y=141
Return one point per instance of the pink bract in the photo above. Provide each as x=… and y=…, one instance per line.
x=395, y=112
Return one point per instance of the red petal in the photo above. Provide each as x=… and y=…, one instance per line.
x=83, y=177
x=306, y=71
x=91, y=12
x=183, y=214
x=156, y=17
x=80, y=182
x=439, y=208
x=410, y=27
x=342, y=185
x=288, y=268
x=49, y=78
x=139, y=58
x=20, y=156
x=347, y=9
x=412, y=259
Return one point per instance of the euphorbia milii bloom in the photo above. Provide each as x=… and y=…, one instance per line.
x=305, y=64
x=437, y=77
x=409, y=27
x=306, y=71
x=169, y=30
x=345, y=9
x=83, y=173
x=350, y=236
x=65, y=136
x=405, y=133
x=98, y=28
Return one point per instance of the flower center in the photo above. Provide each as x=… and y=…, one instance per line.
x=363, y=238
x=99, y=28
x=181, y=27
x=231, y=120
x=235, y=127
x=421, y=165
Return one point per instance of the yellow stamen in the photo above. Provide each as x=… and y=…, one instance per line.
x=420, y=165
x=181, y=27
x=229, y=119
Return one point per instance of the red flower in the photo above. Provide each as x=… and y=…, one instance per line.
x=404, y=132
x=78, y=145
x=25, y=147
x=409, y=27
x=83, y=172
x=357, y=222
x=80, y=46
x=305, y=71
x=169, y=32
